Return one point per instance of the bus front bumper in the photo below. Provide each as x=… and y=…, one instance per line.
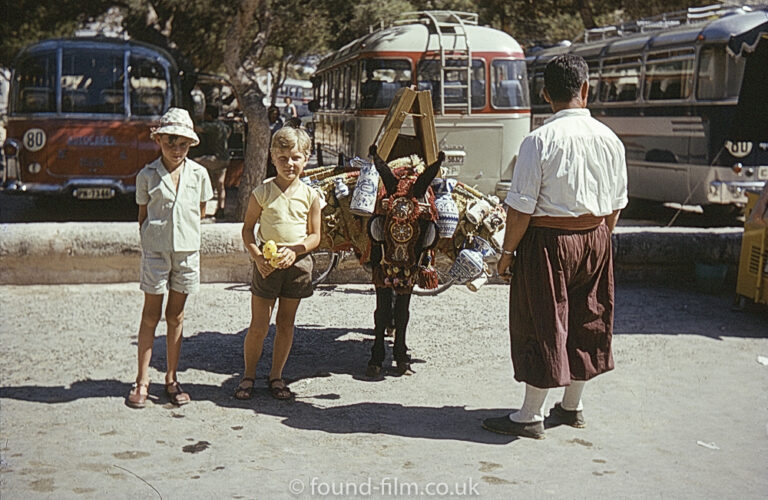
x=82, y=189
x=732, y=192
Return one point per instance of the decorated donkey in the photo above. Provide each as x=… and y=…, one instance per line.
x=403, y=232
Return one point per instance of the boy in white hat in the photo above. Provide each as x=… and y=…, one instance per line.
x=171, y=193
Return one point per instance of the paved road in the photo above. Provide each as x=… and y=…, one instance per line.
x=684, y=415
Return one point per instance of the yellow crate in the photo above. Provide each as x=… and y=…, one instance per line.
x=752, y=280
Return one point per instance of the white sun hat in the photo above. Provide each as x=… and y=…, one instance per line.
x=176, y=121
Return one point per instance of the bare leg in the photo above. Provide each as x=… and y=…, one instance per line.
x=221, y=190
x=174, y=319
x=150, y=317
x=286, y=315
x=261, y=312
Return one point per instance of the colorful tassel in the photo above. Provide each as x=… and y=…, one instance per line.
x=428, y=278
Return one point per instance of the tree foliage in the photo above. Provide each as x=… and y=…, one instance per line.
x=25, y=21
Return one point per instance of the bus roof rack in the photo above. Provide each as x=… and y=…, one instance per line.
x=441, y=16
x=660, y=21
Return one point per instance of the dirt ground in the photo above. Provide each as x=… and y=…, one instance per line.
x=684, y=415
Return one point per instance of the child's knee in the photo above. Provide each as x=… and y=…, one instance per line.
x=150, y=319
x=174, y=319
x=257, y=332
x=283, y=330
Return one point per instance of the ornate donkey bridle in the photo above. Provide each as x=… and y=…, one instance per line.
x=405, y=224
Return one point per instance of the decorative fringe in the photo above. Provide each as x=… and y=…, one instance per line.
x=428, y=278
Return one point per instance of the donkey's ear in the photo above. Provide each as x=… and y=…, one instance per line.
x=387, y=177
x=425, y=179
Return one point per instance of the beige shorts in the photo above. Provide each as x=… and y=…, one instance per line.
x=178, y=271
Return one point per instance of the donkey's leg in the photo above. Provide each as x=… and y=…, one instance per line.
x=402, y=314
x=381, y=321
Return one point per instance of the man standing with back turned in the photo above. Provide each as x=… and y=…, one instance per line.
x=568, y=187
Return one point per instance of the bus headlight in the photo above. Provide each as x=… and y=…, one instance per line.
x=11, y=148
x=34, y=168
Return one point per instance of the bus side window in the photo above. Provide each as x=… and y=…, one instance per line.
x=381, y=79
x=620, y=83
x=669, y=76
x=509, y=85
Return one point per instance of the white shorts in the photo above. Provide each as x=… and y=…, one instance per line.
x=179, y=271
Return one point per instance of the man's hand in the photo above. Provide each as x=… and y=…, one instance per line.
x=263, y=265
x=504, y=265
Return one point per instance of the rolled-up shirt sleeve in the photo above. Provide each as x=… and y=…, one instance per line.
x=526, y=179
x=142, y=189
x=620, y=197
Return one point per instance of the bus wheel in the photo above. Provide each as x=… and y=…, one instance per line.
x=721, y=211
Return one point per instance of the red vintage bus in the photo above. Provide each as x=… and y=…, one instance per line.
x=80, y=113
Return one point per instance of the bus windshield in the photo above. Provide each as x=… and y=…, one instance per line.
x=91, y=82
x=35, y=84
x=455, y=78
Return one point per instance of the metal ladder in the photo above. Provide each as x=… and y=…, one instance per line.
x=457, y=21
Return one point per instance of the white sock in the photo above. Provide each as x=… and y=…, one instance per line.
x=572, y=396
x=533, y=406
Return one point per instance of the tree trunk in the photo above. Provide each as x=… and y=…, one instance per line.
x=241, y=70
x=256, y=150
x=585, y=10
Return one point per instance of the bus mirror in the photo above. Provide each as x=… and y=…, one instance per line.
x=313, y=105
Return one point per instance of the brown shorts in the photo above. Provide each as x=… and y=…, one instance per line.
x=294, y=282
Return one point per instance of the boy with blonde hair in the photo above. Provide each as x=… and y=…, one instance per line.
x=288, y=213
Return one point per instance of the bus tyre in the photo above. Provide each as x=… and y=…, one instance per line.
x=721, y=211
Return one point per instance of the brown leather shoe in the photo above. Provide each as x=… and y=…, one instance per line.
x=503, y=425
x=135, y=398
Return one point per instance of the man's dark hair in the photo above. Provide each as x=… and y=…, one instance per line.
x=564, y=76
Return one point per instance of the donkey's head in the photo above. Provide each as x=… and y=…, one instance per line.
x=405, y=221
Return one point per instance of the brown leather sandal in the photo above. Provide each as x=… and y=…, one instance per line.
x=242, y=392
x=135, y=398
x=279, y=389
x=176, y=394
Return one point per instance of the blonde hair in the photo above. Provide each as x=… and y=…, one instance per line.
x=289, y=137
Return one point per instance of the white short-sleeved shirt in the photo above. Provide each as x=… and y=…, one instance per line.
x=173, y=217
x=570, y=166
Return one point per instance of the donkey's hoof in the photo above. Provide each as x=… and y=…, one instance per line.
x=404, y=368
x=373, y=371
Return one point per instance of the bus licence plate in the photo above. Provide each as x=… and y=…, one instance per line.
x=94, y=193
x=762, y=173
x=450, y=170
